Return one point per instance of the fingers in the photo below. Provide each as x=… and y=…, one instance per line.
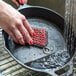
x=28, y=27
x=19, y=33
x=21, y=30
x=16, y=2
x=11, y=34
x=25, y=33
x=18, y=36
x=23, y=1
x=13, y=37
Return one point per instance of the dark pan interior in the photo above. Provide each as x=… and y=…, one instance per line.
x=41, y=18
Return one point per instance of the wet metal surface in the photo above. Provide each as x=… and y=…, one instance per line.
x=56, y=58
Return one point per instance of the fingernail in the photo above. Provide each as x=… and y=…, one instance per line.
x=33, y=33
x=31, y=42
x=23, y=44
x=22, y=1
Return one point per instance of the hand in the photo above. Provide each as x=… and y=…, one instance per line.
x=21, y=1
x=15, y=24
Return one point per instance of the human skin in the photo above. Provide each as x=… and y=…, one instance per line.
x=21, y=1
x=15, y=24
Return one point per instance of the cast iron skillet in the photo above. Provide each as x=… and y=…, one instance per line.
x=37, y=13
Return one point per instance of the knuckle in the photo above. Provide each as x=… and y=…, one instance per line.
x=19, y=23
x=20, y=26
x=19, y=37
x=26, y=32
x=13, y=27
x=23, y=18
